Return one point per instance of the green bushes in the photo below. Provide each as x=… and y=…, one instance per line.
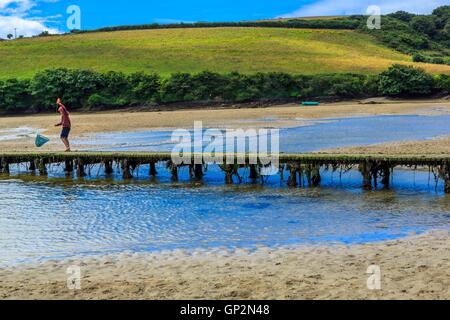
x=14, y=95
x=442, y=83
x=400, y=80
x=84, y=88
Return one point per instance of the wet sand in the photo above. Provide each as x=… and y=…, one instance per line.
x=413, y=268
x=438, y=147
x=289, y=115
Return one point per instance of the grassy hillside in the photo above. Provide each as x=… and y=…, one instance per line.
x=166, y=51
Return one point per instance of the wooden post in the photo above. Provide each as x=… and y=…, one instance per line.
x=68, y=166
x=228, y=177
x=253, y=173
x=32, y=166
x=4, y=166
x=386, y=173
x=300, y=175
x=198, y=171
x=174, y=171
x=108, y=167
x=153, y=171
x=80, y=168
x=126, y=170
x=447, y=179
x=366, y=170
x=42, y=167
x=292, y=180
x=316, y=179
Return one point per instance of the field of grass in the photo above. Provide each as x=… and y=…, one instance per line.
x=166, y=51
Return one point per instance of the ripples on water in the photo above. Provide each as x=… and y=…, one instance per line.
x=312, y=136
x=43, y=218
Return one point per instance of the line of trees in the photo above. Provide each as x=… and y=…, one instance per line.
x=90, y=89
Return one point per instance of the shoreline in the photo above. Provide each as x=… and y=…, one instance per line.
x=415, y=267
x=87, y=125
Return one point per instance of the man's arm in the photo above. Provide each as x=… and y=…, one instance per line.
x=58, y=102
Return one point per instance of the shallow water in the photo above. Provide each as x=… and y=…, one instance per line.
x=48, y=218
x=311, y=136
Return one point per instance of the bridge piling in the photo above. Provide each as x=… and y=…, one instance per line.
x=253, y=173
x=68, y=169
x=42, y=167
x=4, y=166
x=32, y=166
x=108, y=167
x=80, y=168
x=292, y=180
x=365, y=168
x=316, y=178
x=126, y=169
x=152, y=170
x=198, y=172
x=446, y=177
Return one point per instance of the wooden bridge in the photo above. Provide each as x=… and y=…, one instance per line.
x=302, y=168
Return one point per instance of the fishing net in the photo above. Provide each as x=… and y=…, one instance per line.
x=41, y=140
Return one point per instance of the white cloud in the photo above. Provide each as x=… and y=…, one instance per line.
x=15, y=14
x=347, y=7
x=16, y=7
x=24, y=27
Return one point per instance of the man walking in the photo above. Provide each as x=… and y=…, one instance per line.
x=65, y=124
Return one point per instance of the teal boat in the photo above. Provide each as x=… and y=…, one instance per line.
x=310, y=103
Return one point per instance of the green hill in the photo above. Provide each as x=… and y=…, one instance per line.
x=165, y=51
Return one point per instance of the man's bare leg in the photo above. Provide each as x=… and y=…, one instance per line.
x=66, y=143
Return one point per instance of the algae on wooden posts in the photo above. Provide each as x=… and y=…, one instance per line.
x=292, y=180
x=152, y=170
x=366, y=171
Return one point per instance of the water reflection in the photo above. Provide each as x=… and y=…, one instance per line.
x=57, y=217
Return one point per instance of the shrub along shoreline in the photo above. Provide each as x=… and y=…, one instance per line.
x=92, y=90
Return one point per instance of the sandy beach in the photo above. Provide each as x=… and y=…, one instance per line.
x=417, y=267
x=289, y=115
x=413, y=268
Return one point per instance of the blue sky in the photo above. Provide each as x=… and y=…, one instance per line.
x=33, y=16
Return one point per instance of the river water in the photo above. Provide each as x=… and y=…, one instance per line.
x=50, y=218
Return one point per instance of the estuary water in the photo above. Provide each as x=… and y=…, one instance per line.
x=54, y=217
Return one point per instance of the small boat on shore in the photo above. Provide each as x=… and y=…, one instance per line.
x=310, y=103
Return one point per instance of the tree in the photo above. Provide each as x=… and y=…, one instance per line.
x=402, y=15
x=10, y=36
x=424, y=24
x=446, y=30
x=443, y=15
x=417, y=57
x=44, y=34
x=401, y=80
